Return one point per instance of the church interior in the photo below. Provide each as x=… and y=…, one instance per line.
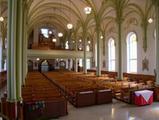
x=79, y=59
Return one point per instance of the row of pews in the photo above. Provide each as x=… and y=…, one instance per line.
x=79, y=89
x=73, y=84
x=124, y=89
x=45, y=95
x=41, y=99
x=3, y=79
x=3, y=83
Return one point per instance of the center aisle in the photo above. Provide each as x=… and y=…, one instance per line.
x=115, y=111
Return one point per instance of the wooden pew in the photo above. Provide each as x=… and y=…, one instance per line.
x=81, y=90
x=3, y=79
x=41, y=99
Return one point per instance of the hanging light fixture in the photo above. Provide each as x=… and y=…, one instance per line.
x=1, y=19
x=89, y=42
x=101, y=37
x=80, y=48
x=69, y=26
x=87, y=10
x=54, y=40
x=150, y=20
x=60, y=34
x=80, y=40
x=37, y=59
x=50, y=32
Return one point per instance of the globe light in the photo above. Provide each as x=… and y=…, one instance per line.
x=50, y=32
x=37, y=59
x=69, y=26
x=54, y=40
x=80, y=40
x=150, y=20
x=89, y=42
x=60, y=34
x=1, y=19
x=101, y=37
x=87, y=10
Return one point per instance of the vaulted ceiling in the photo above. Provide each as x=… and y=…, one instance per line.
x=59, y=13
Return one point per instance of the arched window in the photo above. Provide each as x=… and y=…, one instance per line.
x=132, y=53
x=88, y=62
x=44, y=66
x=45, y=32
x=111, y=54
x=80, y=62
x=87, y=48
x=66, y=45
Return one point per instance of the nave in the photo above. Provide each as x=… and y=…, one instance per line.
x=59, y=57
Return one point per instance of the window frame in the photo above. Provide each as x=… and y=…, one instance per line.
x=111, y=60
x=129, y=57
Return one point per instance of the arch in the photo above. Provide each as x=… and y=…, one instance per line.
x=30, y=65
x=111, y=54
x=88, y=48
x=66, y=45
x=62, y=64
x=131, y=52
x=44, y=66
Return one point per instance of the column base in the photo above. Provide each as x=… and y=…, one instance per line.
x=156, y=92
x=20, y=110
x=12, y=110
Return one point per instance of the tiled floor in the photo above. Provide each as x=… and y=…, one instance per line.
x=115, y=111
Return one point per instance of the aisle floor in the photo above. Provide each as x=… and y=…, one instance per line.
x=115, y=111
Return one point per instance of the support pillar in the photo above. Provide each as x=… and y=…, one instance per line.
x=76, y=59
x=76, y=65
x=157, y=42
x=85, y=55
x=36, y=36
x=25, y=45
x=14, y=56
x=98, y=71
x=120, y=66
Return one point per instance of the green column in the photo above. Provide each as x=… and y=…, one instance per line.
x=84, y=50
x=25, y=43
x=76, y=65
x=157, y=42
x=98, y=71
x=120, y=68
x=14, y=52
x=85, y=54
x=76, y=59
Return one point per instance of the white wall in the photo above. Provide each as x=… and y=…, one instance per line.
x=150, y=53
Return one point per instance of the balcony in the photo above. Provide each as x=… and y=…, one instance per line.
x=51, y=54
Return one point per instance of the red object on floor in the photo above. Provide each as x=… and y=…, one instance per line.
x=140, y=100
